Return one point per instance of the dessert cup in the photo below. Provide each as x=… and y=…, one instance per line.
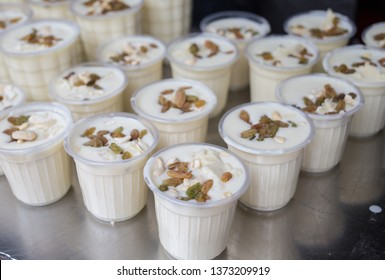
x=140, y=57
x=195, y=215
x=241, y=28
x=98, y=26
x=166, y=20
x=271, y=149
x=33, y=158
x=110, y=151
x=59, y=9
x=11, y=15
x=326, y=29
x=365, y=68
x=178, y=108
x=89, y=89
x=374, y=35
x=275, y=58
x=337, y=102
x=206, y=58
x=37, y=51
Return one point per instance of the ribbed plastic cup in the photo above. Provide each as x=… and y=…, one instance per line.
x=51, y=9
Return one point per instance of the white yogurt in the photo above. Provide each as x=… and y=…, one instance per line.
x=331, y=118
x=140, y=57
x=275, y=58
x=273, y=161
x=326, y=29
x=240, y=27
x=365, y=67
x=374, y=35
x=10, y=96
x=208, y=212
x=104, y=7
x=176, y=124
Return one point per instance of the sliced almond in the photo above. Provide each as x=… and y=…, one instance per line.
x=180, y=98
x=276, y=116
x=178, y=174
x=280, y=139
x=24, y=135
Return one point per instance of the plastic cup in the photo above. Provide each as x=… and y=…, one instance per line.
x=192, y=229
x=103, y=96
x=208, y=67
x=273, y=163
x=374, y=35
x=39, y=172
x=96, y=28
x=141, y=66
x=32, y=66
x=166, y=20
x=52, y=9
x=331, y=129
x=266, y=74
x=321, y=20
x=113, y=188
x=13, y=15
x=369, y=79
x=175, y=126
x=248, y=26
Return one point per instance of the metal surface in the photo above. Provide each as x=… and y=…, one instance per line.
x=328, y=218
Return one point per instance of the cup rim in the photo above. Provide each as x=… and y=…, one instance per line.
x=44, y=106
x=126, y=39
x=313, y=116
x=329, y=71
x=271, y=152
x=49, y=4
x=72, y=25
x=237, y=14
x=368, y=29
x=303, y=41
x=95, y=163
x=347, y=35
x=132, y=9
x=52, y=92
x=200, y=205
x=140, y=112
x=22, y=7
x=179, y=40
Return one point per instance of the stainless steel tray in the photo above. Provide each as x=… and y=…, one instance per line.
x=328, y=218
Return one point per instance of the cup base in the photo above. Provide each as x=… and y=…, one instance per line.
x=264, y=209
x=44, y=203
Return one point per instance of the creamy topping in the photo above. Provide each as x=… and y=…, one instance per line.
x=281, y=52
x=38, y=36
x=374, y=35
x=203, y=51
x=30, y=129
x=104, y=7
x=111, y=139
x=195, y=173
x=132, y=51
x=174, y=100
x=88, y=83
x=11, y=18
x=358, y=64
x=266, y=126
x=319, y=25
x=10, y=96
x=237, y=28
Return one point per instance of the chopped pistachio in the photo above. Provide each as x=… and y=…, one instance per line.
x=16, y=121
x=115, y=148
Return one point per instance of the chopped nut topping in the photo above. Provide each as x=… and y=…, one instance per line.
x=195, y=51
x=16, y=121
x=132, y=54
x=117, y=133
x=244, y=116
x=102, y=7
x=302, y=56
x=38, y=39
x=266, y=56
x=167, y=91
x=179, y=100
x=344, y=69
x=6, y=22
x=238, y=33
x=116, y=149
x=226, y=176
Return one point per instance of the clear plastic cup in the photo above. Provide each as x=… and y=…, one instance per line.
x=51, y=9
x=265, y=75
x=207, y=66
x=320, y=20
x=9, y=13
x=331, y=130
x=175, y=126
x=143, y=66
x=113, y=188
x=248, y=26
x=274, y=163
x=103, y=96
x=374, y=35
x=167, y=20
x=192, y=229
x=39, y=172
x=96, y=29
x=369, y=79
x=31, y=66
